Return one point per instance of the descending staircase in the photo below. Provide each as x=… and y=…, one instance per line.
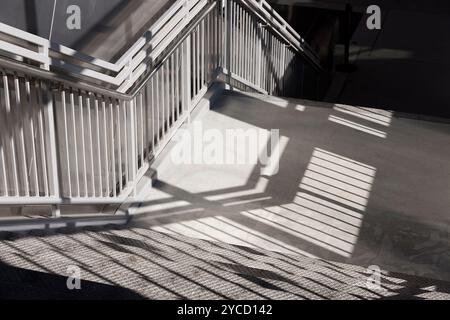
x=136, y=263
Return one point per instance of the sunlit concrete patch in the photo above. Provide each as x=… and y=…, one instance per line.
x=357, y=126
x=302, y=228
x=225, y=230
x=351, y=219
x=382, y=117
x=237, y=165
x=330, y=213
x=344, y=180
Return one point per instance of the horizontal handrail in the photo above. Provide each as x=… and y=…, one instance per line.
x=146, y=50
x=156, y=39
x=88, y=86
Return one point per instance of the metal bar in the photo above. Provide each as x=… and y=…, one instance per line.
x=22, y=153
x=177, y=81
x=157, y=106
x=141, y=120
x=74, y=131
x=125, y=122
x=33, y=135
x=66, y=139
x=163, y=94
x=3, y=143
x=91, y=148
x=99, y=157
x=113, y=153
x=11, y=135
x=49, y=110
x=133, y=143
x=172, y=87
x=119, y=144
x=105, y=147
x=83, y=144
x=152, y=106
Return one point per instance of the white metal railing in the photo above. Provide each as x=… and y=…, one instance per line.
x=121, y=74
x=67, y=141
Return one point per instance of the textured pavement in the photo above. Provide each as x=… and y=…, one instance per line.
x=121, y=262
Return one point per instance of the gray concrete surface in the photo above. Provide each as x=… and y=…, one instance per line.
x=355, y=185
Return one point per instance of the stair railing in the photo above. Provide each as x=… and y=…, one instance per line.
x=85, y=132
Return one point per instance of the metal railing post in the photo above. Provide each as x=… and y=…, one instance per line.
x=259, y=53
x=227, y=43
x=186, y=69
x=43, y=50
x=133, y=148
x=54, y=168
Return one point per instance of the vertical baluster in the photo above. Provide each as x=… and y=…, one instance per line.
x=177, y=81
x=153, y=105
x=125, y=137
x=66, y=139
x=3, y=143
x=141, y=121
x=98, y=150
x=113, y=152
x=42, y=139
x=241, y=41
x=83, y=143
x=105, y=147
x=202, y=53
x=163, y=94
x=192, y=65
x=157, y=105
x=91, y=148
x=119, y=144
x=232, y=37
x=133, y=160
x=172, y=86
x=75, y=144
x=12, y=146
x=167, y=94
x=33, y=135
x=247, y=56
x=22, y=152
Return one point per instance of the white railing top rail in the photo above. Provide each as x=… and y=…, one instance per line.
x=56, y=77
x=119, y=74
x=122, y=74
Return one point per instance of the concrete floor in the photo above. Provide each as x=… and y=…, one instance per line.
x=354, y=185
